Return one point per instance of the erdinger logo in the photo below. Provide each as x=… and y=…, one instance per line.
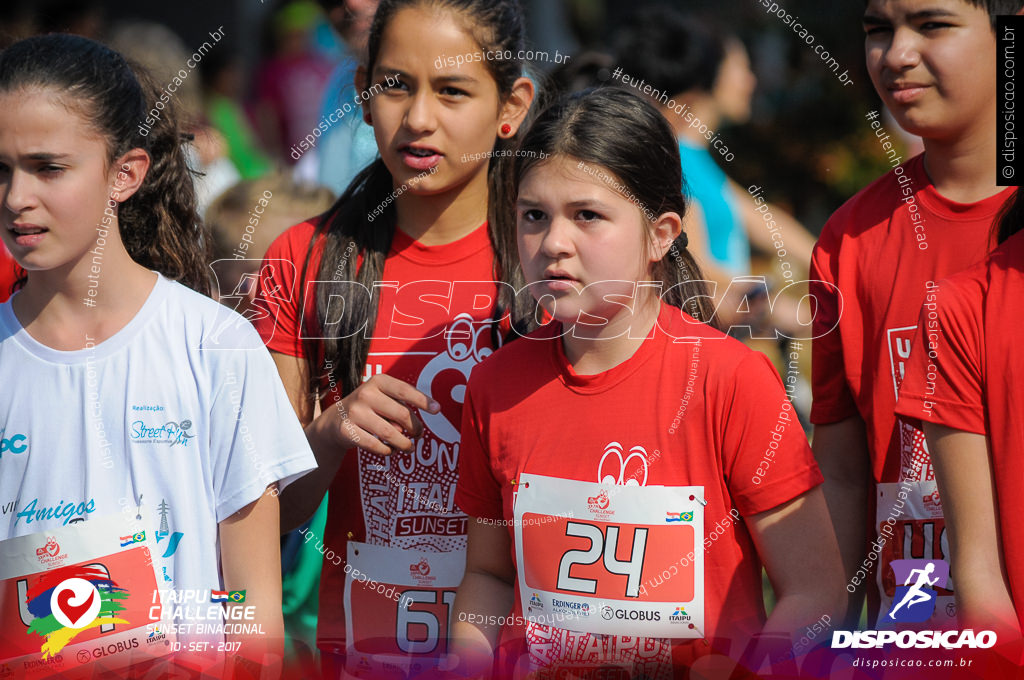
x=914, y=601
x=64, y=602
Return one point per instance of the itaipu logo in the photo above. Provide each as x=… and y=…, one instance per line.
x=679, y=615
x=70, y=600
x=914, y=601
x=168, y=433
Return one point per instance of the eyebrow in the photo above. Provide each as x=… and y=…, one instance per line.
x=583, y=203
x=937, y=13
x=445, y=78
x=45, y=156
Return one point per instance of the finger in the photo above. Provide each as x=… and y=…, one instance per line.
x=390, y=435
x=406, y=393
x=395, y=411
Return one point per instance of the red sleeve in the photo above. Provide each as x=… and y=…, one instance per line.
x=833, y=400
x=944, y=377
x=478, y=493
x=766, y=459
x=9, y=272
x=279, y=295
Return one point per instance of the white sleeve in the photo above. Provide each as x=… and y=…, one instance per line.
x=255, y=437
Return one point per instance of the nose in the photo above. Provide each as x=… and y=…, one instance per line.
x=420, y=117
x=902, y=51
x=19, y=195
x=557, y=241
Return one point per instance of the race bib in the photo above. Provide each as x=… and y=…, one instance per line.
x=80, y=597
x=611, y=559
x=918, y=532
x=396, y=622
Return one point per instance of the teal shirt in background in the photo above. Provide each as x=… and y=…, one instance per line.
x=709, y=187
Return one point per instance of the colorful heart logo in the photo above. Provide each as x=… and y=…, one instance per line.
x=72, y=611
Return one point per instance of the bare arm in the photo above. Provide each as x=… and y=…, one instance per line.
x=250, y=553
x=799, y=551
x=963, y=472
x=798, y=242
x=484, y=595
x=842, y=453
x=377, y=416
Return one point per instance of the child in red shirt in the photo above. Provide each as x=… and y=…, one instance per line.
x=380, y=308
x=621, y=464
x=876, y=258
x=964, y=380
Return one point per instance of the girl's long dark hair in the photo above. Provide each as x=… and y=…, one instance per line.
x=624, y=134
x=346, y=231
x=159, y=224
x=1011, y=217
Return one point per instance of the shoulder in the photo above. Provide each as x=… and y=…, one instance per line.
x=207, y=324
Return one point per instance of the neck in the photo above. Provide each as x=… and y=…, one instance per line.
x=595, y=349
x=85, y=301
x=443, y=218
x=964, y=169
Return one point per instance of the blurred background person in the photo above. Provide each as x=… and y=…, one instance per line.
x=291, y=79
x=347, y=146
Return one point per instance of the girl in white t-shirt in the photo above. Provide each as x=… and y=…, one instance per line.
x=122, y=387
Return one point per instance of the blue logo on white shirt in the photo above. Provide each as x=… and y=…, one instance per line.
x=16, y=443
x=169, y=433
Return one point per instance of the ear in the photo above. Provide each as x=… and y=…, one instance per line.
x=515, y=108
x=664, y=232
x=362, y=81
x=126, y=174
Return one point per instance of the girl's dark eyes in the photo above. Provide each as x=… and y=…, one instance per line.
x=453, y=91
x=588, y=215
x=533, y=215
x=51, y=169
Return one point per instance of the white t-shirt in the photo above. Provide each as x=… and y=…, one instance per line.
x=196, y=433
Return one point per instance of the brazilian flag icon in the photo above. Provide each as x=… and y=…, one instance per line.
x=237, y=596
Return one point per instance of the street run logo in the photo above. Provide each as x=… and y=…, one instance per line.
x=914, y=602
x=67, y=601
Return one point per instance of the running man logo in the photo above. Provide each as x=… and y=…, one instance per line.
x=914, y=601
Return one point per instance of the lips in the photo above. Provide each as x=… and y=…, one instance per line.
x=28, y=234
x=905, y=92
x=420, y=157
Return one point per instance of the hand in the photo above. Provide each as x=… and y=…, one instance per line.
x=379, y=416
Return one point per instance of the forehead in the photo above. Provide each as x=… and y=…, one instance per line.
x=416, y=36
x=39, y=121
x=922, y=8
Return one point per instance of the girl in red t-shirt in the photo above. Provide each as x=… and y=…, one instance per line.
x=628, y=469
x=409, y=268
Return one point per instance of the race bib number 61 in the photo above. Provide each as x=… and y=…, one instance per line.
x=611, y=559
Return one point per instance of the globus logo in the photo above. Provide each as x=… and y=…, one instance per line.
x=17, y=443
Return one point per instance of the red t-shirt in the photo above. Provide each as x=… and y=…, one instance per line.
x=392, y=525
x=8, y=273
x=880, y=250
x=559, y=456
x=966, y=373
